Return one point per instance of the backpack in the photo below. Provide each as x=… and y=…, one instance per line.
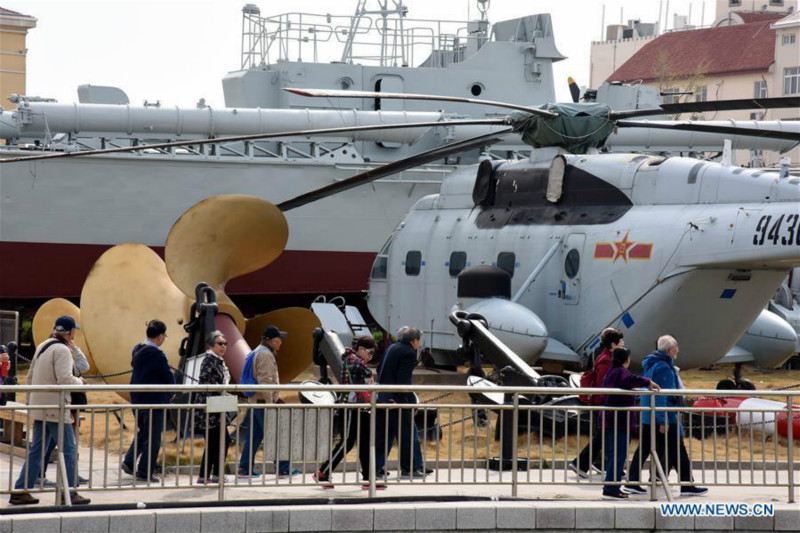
x=587, y=381
x=247, y=373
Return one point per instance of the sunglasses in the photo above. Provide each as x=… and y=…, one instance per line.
x=221, y=343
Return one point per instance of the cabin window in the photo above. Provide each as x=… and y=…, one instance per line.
x=791, y=80
x=458, y=260
x=413, y=263
x=572, y=264
x=506, y=261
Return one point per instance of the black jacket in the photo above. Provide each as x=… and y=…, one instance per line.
x=397, y=368
x=150, y=367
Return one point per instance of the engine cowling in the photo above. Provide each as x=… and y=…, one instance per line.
x=516, y=326
x=770, y=339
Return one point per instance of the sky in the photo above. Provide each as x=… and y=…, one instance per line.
x=177, y=51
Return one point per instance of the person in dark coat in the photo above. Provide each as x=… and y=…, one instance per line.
x=660, y=367
x=618, y=426
x=397, y=368
x=213, y=371
x=150, y=367
x=592, y=454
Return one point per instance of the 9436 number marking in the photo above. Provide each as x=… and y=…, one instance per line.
x=782, y=231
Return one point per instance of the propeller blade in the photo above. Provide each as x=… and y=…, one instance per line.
x=46, y=316
x=391, y=168
x=715, y=105
x=705, y=128
x=319, y=93
x=574, y=90
x=257, y=137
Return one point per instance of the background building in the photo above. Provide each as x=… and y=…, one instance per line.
x=13, y=31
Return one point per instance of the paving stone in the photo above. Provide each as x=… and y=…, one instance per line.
x=522, y=517
x=223, y=520
x=674, y=522
x=395, y=518
x=267, y=520
x=635, y=517
x=713, y=523
x=476, y=518
x=169, y=521
x=36, y=524
x=785, y=520
x=310, y=519
x=594, y=518
x=754, y=523
x=551, y=517
x=84, y=523
x=430, y=518
x=355, y=518
x=132, y=521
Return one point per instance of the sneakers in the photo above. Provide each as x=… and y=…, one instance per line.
x=600, y=472
x=203, y=481
x=248, y=475
x=45, y=483
x=22, y=498
x=378, y=486
x=77, y=499
x=581, y=474
x=615, y=496
x=289, y=473
x=322, y=480
x=416, y=474
x=145, y=479
x=634, y=489
x=693, y=491
x=128, y=469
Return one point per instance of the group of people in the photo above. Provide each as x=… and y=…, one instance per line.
x=616, y=427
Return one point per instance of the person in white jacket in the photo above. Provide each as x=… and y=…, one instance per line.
x=51, y=365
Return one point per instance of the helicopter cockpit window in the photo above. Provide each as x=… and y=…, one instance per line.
x=506, y=261
x=572, y=264
x=458, y=260
x=380, y=267
x=413, y=263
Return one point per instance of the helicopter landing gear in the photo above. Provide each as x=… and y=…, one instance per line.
x=737, y=383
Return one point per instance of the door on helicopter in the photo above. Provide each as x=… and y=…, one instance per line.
x=571, y=257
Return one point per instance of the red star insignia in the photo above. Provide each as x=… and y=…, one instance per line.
x=622, y=248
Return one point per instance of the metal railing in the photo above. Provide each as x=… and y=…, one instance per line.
x=531, y=443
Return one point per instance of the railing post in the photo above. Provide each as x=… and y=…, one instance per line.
x=653, y=454
x=62, y=482
x=223, y=433
x=790, y=445
x=514, y=445
x=373, y=413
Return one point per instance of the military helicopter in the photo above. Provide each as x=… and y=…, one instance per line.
x=588, y=240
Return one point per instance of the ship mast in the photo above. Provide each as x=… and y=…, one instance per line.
x=387, y=34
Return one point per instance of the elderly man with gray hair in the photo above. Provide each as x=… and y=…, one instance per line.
x=660, y=367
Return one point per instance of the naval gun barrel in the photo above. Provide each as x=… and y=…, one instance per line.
x=35, y=120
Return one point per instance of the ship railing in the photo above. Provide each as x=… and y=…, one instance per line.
x=523, y=439
x=365, y=39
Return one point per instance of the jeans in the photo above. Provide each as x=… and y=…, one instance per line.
x=616, y=448
x=43, y=435
x=403, y=429
x=671, y=452
x=250, y=445
x=146, y=445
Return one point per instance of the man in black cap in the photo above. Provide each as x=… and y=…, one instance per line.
x=263, y=367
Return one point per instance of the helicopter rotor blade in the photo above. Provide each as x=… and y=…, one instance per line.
x=392, y=168
x=574, y=90
x=318, y=93
x=714, y=105
x=260, y=137
x=706, y=128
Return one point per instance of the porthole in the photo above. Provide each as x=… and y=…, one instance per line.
x=476, y=89
x=572, y=264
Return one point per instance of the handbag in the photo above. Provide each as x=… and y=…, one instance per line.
x=78, y=398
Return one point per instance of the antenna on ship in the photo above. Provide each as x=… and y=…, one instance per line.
x=387, y=33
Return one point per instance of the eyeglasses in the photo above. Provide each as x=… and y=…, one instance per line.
x=221, y=343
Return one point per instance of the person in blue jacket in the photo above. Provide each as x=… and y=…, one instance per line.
x=659, y=366
x=150, y=367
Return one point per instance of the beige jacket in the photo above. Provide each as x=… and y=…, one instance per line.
x=265, y=370
x=51, y=367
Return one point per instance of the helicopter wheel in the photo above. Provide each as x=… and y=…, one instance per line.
x=726, y=384
x=745, y=384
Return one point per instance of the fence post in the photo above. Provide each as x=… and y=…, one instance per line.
x=790, y=444
x=653, y=454
x=373, y=413
x=514, y=445
x=62, y=483
x=223, y=456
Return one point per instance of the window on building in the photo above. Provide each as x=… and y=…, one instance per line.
x=734, y=3
x=760, y=89
x=758, y=115
x=789, y=38
x=791, y=80
x=701, y=94
x=507, y=261
x=458, y=260
x=776, y=2
x=413, y=263
x=671, y=95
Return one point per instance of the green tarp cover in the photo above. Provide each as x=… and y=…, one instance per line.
x=578, y=127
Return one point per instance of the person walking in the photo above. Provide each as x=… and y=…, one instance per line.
x=264, y=370
x=51, y=365
x=356, y=421
x=150, y=367
x=591, y=457
x=618, y=426
x=213, y=371
x=660, y=367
